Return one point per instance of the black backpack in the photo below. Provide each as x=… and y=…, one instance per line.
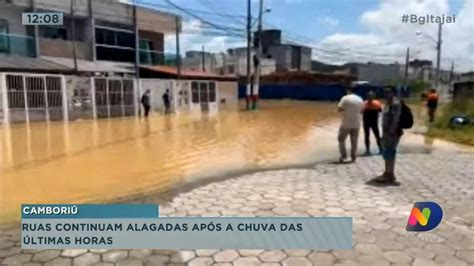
x=406, y=117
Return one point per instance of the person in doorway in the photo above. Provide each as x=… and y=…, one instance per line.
x=391, y=134
x=432, y=104
x=351, y=107
x=146, y=102
x=372, y=108
x=166, y=101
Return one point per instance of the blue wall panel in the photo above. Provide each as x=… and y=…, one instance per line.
x=313, y=92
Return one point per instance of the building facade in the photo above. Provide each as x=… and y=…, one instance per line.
x=288, y=57
x=91, y=31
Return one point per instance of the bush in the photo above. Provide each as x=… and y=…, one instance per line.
x=441, y=127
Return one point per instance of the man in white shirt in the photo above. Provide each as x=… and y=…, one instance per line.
x=351, y=107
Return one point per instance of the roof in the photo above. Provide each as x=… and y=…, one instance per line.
x=190, y=74
x=92, y=66
x=21, y=63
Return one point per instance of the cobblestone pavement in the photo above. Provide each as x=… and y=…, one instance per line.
x=380, y=216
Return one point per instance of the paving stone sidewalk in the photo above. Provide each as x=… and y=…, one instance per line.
x=380, y=216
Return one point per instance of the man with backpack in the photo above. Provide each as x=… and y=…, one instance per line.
x=396, y=117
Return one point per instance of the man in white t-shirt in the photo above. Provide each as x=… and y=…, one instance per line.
x=351, y=107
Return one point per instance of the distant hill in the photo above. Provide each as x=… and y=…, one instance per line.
x=323, y=67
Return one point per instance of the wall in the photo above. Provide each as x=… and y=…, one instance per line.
x=17, y=45
x=79, y=95
x=378, y=74
x=111, y=10
x=62, y=48
x=156, y=21
x=463, y=90
x=282, y=56
x=228, y=91
x=156, y=37
x=306, y=59
x=12, y=14
x=194, y=62
x=311, y=92
x=268, y=65
x=157, y=88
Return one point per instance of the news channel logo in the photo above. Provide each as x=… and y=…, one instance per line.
x=425, y=216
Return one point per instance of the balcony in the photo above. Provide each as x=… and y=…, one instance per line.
x=151, y=57
x=20, y=45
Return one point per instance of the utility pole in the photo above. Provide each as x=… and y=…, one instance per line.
x=203, y=59
x=249, y=37
x=137, y=42
x=451, y=75
x=224, y=67
x=92, y=27
x=178, y=57
x=36, y=31
x=438, y=56
x=258, y=57
x=73, y=27
x=405, y=81
x=407, y=60
x=138, y=88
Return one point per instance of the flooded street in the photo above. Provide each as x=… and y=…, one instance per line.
x=98, y=160
x=94, y=161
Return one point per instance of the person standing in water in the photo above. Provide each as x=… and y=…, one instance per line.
x=166, y=101
x=146, y=102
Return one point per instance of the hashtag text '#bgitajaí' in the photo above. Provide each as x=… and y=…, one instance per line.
x=428, y=19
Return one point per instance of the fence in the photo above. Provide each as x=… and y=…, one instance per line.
x=43, y=97
x=30, y=97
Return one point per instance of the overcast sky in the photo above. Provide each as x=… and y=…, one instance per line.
x=341, y=30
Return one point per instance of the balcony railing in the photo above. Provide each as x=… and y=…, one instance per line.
x=151, y=57
x=15, y=44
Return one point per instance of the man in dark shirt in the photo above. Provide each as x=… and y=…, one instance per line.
x=166, y=101
x=372, y=108
x=391, y=134
x=146, y=102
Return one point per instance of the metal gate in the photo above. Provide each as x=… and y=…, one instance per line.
x=33, y=97
x=115, y=97
x=203, y=95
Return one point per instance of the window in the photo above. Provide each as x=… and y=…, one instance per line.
x=146, y=56
x=115, y=37
x=195, y=91
x=203, y=89
x=53, y=32
x=212, y=92
x=4, y=42
x=115, y=45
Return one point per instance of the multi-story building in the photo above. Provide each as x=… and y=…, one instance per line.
x=93, y=34
x=288, y=57
x=199, y=61
x=268, y=65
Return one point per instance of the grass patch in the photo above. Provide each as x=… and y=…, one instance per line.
x=441, y=129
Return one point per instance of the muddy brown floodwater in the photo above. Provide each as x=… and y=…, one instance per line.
x=100, y=159
x=97, y=160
